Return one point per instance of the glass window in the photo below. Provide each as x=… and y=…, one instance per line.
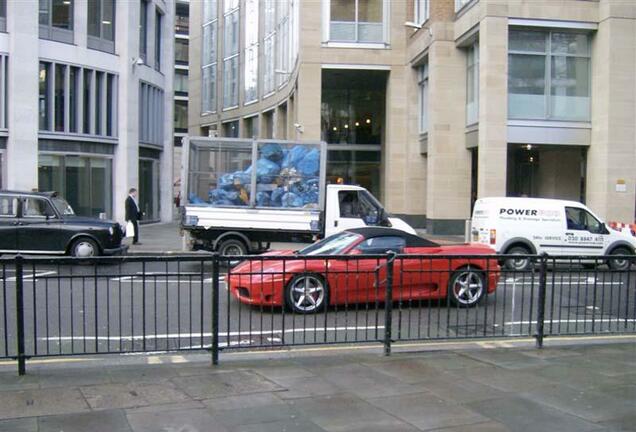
x=57, y=14
x=181, y=18
x=74, y=80
x=421, y=11
x=209, y=57
x=99, y=98
x=8, y=206
x=472, y=85
x=380, y=245
x=101, y=23
x=423, y=97
x=111, y=129
x=209, y=89
x=549, y=75
x=581, y=220
x=181, y=81
x=181, y=51
x=356, y=21
x=88, y=100
x=181, y=115
x=332, y=245
x=60, y=79
x=355, y=167
x=251, y=50
x=158, y=26
x=143, y=29
x=209, y=10
x=36, y=208
x=151, y=114
x=230, y=53
x=43, y=100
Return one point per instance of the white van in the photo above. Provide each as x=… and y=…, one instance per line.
x=520, y=226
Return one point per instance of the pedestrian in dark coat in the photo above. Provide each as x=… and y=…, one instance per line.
x=133, y=214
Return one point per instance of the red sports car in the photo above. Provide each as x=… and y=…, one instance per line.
x=307, y=280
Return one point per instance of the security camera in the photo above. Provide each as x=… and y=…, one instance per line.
x=299, y=127
x=139, y=62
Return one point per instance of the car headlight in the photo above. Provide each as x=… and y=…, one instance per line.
x=111, y=230
x=191, y=220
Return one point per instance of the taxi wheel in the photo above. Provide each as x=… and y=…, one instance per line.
x=306, y=293
x=84, y=248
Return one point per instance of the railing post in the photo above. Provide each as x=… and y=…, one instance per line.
x=19, y=304
x=388, y=304
x=543, y=273
x=215, y=309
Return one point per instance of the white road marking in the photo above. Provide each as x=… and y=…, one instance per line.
x=567, y=321
x=30, y=277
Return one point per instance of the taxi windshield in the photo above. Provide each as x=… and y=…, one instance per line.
x=63, y=207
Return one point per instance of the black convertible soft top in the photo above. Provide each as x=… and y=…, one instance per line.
x=410, y=239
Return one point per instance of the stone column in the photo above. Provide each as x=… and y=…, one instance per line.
x=22, y=143
x=493, y=105
x=448, y=185
x=612, y=153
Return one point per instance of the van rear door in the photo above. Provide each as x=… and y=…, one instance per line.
x=584, y=234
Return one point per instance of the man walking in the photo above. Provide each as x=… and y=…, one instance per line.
x=132, y=213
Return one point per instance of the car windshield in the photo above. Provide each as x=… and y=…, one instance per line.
x=63, y=207
x=332, y=245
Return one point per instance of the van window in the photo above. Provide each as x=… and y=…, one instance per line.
x=581, y=220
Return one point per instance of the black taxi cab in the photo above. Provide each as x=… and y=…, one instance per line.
x=44, y=223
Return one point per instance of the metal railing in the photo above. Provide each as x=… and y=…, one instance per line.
x=65, y=306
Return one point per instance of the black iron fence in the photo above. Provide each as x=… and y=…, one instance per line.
x=64, y=306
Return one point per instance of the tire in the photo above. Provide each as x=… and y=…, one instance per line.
x=232, y=247
x=306, y=293
x=84, y=248
x=467, y=287
x=620, y=264
x=520, y=264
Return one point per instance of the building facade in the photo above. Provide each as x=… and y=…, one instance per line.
x=181, y=43
x=431, y=104
x=85, y=86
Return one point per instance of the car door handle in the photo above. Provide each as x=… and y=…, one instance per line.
x=335, y=223
x=17, y=223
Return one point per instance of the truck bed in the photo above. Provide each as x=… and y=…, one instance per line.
x=259, y=219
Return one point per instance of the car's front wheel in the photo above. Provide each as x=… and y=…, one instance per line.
x=84, y=248
x=306, y=293
x=467, y=287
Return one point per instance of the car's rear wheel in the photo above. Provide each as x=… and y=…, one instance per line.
x=306, y=293
x=84, y=248
x=620, y=263
x=467, y=287
x=232, y=247
x=518, y=263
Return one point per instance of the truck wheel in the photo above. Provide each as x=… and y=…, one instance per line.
x=518, y=264
x=620, y=263
x=232, y=247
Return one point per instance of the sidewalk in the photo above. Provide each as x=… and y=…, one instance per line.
x=560, y=388
x=166, y=238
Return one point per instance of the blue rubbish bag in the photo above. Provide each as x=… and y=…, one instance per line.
x=194, y=199
x=276, y=198
x=310, y=165
x=266, y=170
x=226, y=181
x=263, y=199
x=290, y=199
x=272, y=152
x=242, y=178
x=294, y=156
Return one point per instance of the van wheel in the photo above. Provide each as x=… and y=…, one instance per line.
x=620, y=263
x=232, y=247
x=521, y=263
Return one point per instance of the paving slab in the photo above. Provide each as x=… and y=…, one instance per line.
x=521, y=415
x=40, y=402
x=19, y=425
x=102, y=421
x=232, y=418
x=131, y=395
x=225, y=383
x=190, y=420
x=244, y=401
x=293, y=425
x=427, y=411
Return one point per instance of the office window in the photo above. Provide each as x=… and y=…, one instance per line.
x=181, y=18
x=77, y=100
x=181, y=51
x=101, y=25
x=421, y=13
x=269, y=56
x=181, y=81
x=549, y=75
x=181, y=116
x=158, y=25
x=472, y=85
x=423, y=97
x=43, y=99
x=3, y=15
x=460, y=4
x=56, y=20
x=251, y=50
x=230, y=53
x=151, y=114
x=143, y=30
x=209, y=57
x=357, y=21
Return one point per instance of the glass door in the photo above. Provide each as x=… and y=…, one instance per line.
x=149, y=189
